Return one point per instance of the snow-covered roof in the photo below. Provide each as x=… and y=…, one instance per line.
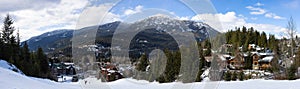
x=111, y=71
x=222, y=58
x=252, y=45
x=226, y=55
x=266, y=59
x=68, y=63
x=266, y=54
x=262, y=54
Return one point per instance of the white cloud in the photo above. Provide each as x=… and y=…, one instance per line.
x=13, y=5
x=274, y=16
x=64, y=14
x=256, y=10
x=33, y=22
x=96, y=15
x=259, y=4
x=259, y=11
x=221, y=22
x=229, y=20
x=137, y=9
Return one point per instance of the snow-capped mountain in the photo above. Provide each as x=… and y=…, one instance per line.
x=47, y=39
x=155, y=33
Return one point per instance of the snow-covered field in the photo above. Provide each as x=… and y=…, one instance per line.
x=13, y=80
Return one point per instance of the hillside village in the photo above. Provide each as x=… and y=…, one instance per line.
x=254, y=58
x=242, y=53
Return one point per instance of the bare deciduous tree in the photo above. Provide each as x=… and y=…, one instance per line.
x=291, y=32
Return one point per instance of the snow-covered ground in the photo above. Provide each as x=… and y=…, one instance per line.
x=6, y=65
x=14, y=80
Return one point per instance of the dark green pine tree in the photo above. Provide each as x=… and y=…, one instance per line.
x=143, y=63
x=227, y=76
x=291, y=72
x=8, y=40
x=234, y=76
x=8, y=29
x=207, y=46
x=201, y=64
x=256, y=37
x=297, y=58
x=243, y=36
x=42, y=62
x=263, y=40
x=246, y=44
x=241, y=76
x=25, y=62
x=252, y=36
x=272, y=42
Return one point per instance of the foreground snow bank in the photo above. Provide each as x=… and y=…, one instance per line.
x=13, y=80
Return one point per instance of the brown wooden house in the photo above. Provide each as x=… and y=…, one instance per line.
x=237, y=62
x=109, y=72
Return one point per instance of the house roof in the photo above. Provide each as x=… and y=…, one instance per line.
x=261, y=54
x=266, y=59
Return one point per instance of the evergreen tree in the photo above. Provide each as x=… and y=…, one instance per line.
x=227, y=76
x=42, y=60
x=263, y=40
x=291, y=72
x=297, y=58
x=246, y=44
x=172, y=67
x=7, y=39
x=241, y=76
x=207, y=46
x=32, y=64
x=143, y=63
x=272, y=42
x=234, y=76
x=8, y=29
x=202, y=63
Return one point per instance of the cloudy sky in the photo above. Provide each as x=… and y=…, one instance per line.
x=34, y=17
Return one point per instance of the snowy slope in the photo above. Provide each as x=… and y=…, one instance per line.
x=13, y=80
x=249, y=84
x=6, y=65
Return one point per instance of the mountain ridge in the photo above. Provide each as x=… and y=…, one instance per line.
x=61, y=39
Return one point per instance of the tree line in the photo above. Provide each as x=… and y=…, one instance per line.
x=12, y=50
x=174, y=64
x=242, y=37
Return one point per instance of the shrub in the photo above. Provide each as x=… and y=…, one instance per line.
x=227, y=76
x=234, y=76
x=241, y=76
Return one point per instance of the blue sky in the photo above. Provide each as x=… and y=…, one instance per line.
x=33, y=18
x=282, y=8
